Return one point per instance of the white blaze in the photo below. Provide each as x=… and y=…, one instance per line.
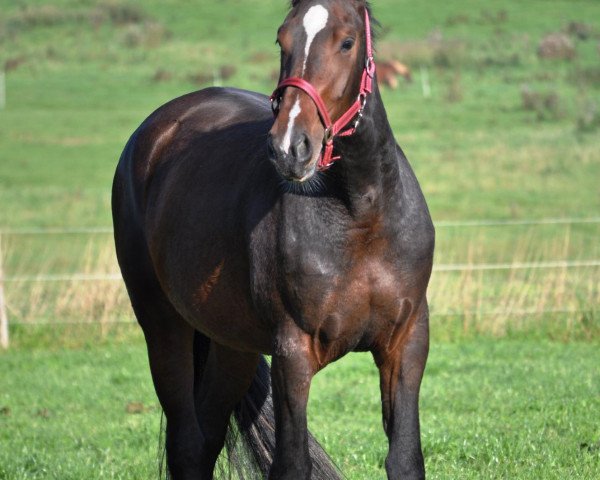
x=314, y=21
x=294, y=112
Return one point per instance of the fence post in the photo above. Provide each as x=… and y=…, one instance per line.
x=2, y=90
x=3, y=315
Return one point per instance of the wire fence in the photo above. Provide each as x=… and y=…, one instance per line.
x=82, y=230
x=75, y=302
x=466, y=267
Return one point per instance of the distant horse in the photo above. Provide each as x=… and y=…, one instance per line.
x=240, y=235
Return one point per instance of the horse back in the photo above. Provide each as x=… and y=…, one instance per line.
x=191, y=129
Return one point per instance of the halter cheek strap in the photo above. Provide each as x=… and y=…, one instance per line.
x=334, y=129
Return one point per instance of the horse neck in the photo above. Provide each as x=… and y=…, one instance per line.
x=369, y=165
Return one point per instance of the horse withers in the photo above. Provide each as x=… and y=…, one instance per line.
x=303, y=237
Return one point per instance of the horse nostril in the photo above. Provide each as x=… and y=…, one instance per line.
x=301, y=149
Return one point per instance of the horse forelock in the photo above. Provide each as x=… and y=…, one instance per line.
x=361, y=4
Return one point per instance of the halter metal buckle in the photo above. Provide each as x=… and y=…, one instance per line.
x=362, y=98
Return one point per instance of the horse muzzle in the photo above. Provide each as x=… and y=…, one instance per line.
x=293, y=157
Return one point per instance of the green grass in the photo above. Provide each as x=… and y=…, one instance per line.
x=510, y=409
x=82, y=75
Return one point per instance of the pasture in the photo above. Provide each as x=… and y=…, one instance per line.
x=498, y=136
x=510, y=409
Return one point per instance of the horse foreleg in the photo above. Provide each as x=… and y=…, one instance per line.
x=401, y=370
x=227, y=376
x=292, y=370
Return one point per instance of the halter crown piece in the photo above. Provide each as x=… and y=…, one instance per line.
x=333, y=129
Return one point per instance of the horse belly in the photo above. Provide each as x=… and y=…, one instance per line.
x=217, y=304
x=203, y=269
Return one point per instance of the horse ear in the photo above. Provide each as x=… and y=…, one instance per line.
x=295, y=3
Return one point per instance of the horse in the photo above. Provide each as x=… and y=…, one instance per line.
x=248, y=226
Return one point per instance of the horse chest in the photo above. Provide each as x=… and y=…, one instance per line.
x=338, y=294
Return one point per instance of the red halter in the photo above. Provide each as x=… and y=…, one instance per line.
x=334, y=129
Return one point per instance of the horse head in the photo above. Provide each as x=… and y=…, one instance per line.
x=326, y=55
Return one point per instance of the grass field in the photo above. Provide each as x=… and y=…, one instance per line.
x=512, y=389
x=510, y=409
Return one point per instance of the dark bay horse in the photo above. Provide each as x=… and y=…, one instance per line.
x=239, y=235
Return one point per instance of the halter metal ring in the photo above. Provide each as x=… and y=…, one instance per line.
x=370, y=66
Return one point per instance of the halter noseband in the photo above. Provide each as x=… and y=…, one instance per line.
x=333, y=129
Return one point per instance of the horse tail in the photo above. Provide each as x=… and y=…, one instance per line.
x=250, y=441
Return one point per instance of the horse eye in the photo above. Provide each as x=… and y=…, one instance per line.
x=348, y=44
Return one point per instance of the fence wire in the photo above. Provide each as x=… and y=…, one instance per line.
x=77, y=302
